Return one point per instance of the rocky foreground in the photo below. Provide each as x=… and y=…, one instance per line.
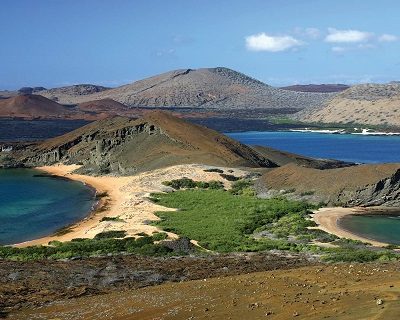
x=356, y=291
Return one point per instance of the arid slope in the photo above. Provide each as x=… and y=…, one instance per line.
x=220, y=88
x=157, y=140
x=373, y=104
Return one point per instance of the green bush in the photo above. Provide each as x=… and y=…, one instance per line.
x=115, y=219
x=229, y=177
x=186, y=183
x=110, y=234
x=214, y=170
x=241, y=186
x=85, y=248
x=159, y=236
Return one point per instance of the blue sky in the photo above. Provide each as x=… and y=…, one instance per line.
x=52, y=42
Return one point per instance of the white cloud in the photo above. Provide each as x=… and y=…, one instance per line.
x=347, y=36
x=388, y=38
x=265, y=42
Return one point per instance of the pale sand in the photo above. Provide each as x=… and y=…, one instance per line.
x=127, y=199
x=327, y=220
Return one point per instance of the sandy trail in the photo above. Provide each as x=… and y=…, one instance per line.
x=327, y=220
x=127, y=199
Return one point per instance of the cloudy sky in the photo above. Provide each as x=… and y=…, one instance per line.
x=53, y=42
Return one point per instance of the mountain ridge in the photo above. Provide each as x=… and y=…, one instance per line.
x=219, y=88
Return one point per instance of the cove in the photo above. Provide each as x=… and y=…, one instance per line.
x=33, y=205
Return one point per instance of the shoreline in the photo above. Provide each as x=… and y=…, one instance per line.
x=328, y=220
x=126, y=198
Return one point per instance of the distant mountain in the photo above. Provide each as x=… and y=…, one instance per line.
x=219, y=88
x=33, y=106
x=159, y=139
x=322, y=88
x=373, y=104
x=30, y=90
x=64, y=94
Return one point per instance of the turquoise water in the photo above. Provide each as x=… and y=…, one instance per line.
x=346, y=147
x=374, y=227
x=32, y=207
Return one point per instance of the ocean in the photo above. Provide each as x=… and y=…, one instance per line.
x=346, y=147
x=33, y=207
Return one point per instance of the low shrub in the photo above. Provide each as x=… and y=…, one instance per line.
x=229, y=177
x=110, y=234
x=214, y=170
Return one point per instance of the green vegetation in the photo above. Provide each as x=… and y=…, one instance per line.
x=115, y=219
x=223, y=222
x=358, y=255
x=186, y=183
x=348, y=127
x=307, y=193
x=87, y=247
x=110, y=234
x=243, y=188
x=159, y=236
x=229, y=177
x=236, y=221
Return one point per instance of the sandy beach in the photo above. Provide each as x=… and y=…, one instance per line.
x=327, y=220
x=127, y=199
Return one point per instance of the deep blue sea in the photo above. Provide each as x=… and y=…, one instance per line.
x=32, y=207
x=346, y=147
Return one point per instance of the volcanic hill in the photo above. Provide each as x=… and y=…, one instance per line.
x=367, y=185
x=219, y=88
x=33, y=106
x=373, y=104
x=124, y=146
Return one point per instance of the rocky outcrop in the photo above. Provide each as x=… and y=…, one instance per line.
x=361, y=185
x=124, y=146
x=384, y=192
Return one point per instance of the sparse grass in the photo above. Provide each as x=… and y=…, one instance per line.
x=307, y=193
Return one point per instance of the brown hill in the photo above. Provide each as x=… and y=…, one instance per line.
x=356, y=185
x=373, y=104
x=33, y=106
x=220, y=88
x=157, y=140
x=282, y=158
